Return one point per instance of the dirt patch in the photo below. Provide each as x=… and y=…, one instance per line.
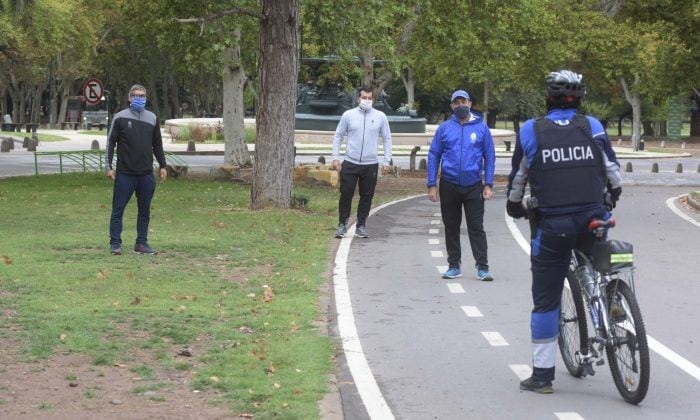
x=70, y=386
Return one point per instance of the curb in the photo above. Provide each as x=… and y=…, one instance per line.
x=694, y=202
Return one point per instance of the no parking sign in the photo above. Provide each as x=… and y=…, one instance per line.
x=93, y=91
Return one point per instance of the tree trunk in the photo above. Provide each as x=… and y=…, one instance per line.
x=235, y=149
x=279, y=64
x=409, y=83
x=632, y=97
x=64, y=103
x=486, y=101
x=367, y=68
x=695, y=114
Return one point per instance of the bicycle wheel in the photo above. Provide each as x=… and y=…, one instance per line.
x=627, y=349
x=573, y=330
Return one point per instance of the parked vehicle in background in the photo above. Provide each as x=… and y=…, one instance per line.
x=95, y=116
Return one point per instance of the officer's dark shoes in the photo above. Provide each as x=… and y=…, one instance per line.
x=540, y=387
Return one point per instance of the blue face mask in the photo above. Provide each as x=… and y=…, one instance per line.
x=138, y=104
x=461, y=112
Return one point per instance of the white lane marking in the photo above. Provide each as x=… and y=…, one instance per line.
x=494, y=338
x=435, y=222
x=365, y=382
x=437, y=214
x=455, y=288
x=674, y=357
x=436, y=254
x=519, y=238
x=521, y=371
x=568, y=416
x=663, y=351
x=670, y=203
x=472, y=311
x=433, y=231
x=442, y=268
x=433, y=241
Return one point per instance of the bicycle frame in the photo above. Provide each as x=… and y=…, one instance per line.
x=604, y=289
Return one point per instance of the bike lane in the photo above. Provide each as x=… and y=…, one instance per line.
x=449, y=349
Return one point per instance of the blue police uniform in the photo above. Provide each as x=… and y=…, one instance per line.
x=568, y=161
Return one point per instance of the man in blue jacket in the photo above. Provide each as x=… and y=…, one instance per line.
x=464, y=147
x=569, y=163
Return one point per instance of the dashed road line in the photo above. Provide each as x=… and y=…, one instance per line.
x=568, y=416
x=436, y=254
x=495, y=338
x=472, y=311
x=521, y=371
x=455, y=288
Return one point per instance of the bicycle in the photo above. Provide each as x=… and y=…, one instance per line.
x=604, y=284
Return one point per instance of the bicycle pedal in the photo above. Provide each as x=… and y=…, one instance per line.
x=588, y=370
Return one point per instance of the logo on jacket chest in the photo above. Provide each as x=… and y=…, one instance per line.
x=565, y=154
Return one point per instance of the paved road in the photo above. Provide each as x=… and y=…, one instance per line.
x=433, y=358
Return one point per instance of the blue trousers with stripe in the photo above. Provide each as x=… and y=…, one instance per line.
x=554, y=238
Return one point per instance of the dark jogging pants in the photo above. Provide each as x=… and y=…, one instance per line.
x=453, y=200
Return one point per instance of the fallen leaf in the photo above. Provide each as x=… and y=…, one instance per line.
x=246, y=330
x=62, y=337
x=270, y=369
x=102, y=274
x=214, y=379
x=276, y=385
x=268, y=293
x=7, y=260
x=246, y=416
x=136, y=301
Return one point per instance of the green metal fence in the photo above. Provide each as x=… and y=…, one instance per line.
x=92, y=160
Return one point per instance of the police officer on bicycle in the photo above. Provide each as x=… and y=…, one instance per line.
x=569, y=163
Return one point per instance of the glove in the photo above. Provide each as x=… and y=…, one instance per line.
x=615, y=195
x=515, y=209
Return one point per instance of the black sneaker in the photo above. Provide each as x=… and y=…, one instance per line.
x=341, y=231
x=144, y=249
x=115, y=249
x=540, y=387
x=361, y=232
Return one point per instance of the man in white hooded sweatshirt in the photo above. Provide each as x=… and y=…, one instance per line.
x=363, y=125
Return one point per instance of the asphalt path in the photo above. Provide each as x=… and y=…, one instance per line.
x=456, y=349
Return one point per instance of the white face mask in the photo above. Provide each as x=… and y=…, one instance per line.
x=365, y=104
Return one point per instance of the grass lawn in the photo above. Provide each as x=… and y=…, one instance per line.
x=42, y=136
x=241, y=285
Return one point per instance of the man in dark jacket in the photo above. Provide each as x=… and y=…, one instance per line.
x=135, y=132
x=464, y=148
x=569, y=163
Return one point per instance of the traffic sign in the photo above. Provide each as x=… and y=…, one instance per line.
x=92, y=91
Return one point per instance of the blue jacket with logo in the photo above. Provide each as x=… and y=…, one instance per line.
x=466, y=152
x=526, y=149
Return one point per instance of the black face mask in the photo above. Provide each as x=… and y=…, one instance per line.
x=461, y=112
